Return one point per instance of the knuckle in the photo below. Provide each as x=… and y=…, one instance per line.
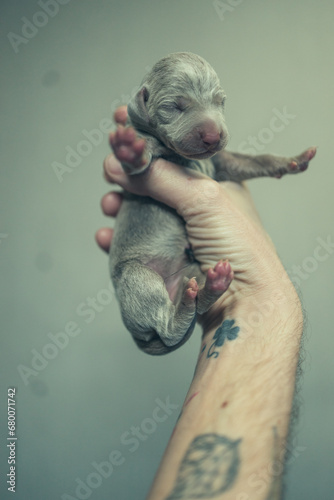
x=209, y=191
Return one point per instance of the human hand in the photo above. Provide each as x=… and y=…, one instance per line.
x=221, y=223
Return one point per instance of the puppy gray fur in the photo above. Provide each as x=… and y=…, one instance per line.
x=179, y=110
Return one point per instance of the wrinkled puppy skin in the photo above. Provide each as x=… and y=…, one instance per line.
x=179, y=111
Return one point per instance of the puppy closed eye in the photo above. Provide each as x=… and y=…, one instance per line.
x=172, y=107
x=169, y=112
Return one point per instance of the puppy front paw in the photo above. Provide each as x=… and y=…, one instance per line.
x=130, y=150
x=300, y=163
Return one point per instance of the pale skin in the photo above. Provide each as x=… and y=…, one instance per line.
x=230, y=439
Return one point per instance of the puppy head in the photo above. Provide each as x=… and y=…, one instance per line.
x=182, y=103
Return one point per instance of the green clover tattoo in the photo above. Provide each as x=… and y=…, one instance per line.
x=225, y=331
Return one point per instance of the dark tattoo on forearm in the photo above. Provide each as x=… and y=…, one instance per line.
x=209, y=467
x=225, y=331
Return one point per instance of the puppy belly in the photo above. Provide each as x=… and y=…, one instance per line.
x=172, y=274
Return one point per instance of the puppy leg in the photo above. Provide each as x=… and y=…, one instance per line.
x=239, y=167
x=135, y=151
x=130, y=150
x=147, y=311
x=217, y=282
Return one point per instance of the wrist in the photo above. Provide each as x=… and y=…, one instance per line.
x=260, y=329
x=258, y=308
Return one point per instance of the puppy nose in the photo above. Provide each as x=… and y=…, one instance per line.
x=210, y=137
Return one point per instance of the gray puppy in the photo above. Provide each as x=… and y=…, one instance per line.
x=179, y=111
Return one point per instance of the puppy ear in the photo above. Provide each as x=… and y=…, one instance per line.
x=137, y=109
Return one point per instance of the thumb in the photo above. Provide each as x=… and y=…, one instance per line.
x=178, y=187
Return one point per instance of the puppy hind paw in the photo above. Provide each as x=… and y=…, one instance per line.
x=219, y=278
x=217, y=282
x=190, y=292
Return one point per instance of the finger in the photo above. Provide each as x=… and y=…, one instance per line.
x=111, y=203
x=103, y=238
x=121, y=114
x=111, y=166
x=185, y=190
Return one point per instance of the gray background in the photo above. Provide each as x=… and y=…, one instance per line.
x=68, y=76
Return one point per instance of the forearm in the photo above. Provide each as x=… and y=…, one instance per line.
x=229, y=442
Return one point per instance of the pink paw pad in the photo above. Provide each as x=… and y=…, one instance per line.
x=219, y=278
x=127, y=147
x=192, y=289
x=300, y=164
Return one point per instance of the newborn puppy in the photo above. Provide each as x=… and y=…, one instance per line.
x=179, y=111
